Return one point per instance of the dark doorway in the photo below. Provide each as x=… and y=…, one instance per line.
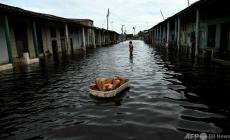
x=71, y=45
x=63, y=45
x=20, y=33
x=212, y=36
x=224, y=40
x=55, y=48
x=39, y=36
x=62, y=35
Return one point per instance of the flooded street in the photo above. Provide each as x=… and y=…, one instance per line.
x=168, y=97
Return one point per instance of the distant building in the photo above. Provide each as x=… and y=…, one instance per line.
x=129, y=36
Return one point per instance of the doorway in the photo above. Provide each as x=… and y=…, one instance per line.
x=20, y=33
x=39, y=36
x=55, y=48
x=71, y=45
x=212, y=36
x=224, y=40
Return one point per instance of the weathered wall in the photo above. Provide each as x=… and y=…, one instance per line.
x=3, y=46
x=30, y=41
x=77, y=39
x=44, y=39
x=13, y=41
x=50, y=39
x=203, y=37
x=185, y=34
x=58, y=38
x=204, y=31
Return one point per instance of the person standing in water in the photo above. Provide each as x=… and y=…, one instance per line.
x=130, y=48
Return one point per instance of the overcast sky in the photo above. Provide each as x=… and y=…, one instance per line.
x=142, y=14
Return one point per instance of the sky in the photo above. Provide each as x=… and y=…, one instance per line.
x=141, y=14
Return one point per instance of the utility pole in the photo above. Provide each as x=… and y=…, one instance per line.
x=107, y=17
x=188, y=3
x=162, y=15
x=122, y=29
x=134, y=28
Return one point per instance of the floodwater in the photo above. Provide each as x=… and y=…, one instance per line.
x=169, y=97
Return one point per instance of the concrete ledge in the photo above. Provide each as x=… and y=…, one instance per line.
x=6, y=67
x=32, y=61
x=28, y=61
x=220, y=61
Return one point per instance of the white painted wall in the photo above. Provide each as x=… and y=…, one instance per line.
x=77, y=40
x=218, y=34
x=49, y=41
x=203, y=35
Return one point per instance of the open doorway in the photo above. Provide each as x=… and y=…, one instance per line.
x=39, y=36
x=20, y=33
x=224, y=40
x=55, y=48
x=71, y=45
x=211, y=36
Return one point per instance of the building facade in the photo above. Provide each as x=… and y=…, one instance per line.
x=26, y=36
x=203, y=27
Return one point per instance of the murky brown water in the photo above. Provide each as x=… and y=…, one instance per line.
x=168, y=97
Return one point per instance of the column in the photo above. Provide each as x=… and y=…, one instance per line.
x=168, y=30
x=67, y=39
x=178, y=33
x=103, y=37
x=83, y=39
x=152, y=36
x=157, y=32
x=197, y=31
x=7, y=34
x=160, y=35
x=175, y=38
x=94, y=38
x=99, y=33
x=35, y=37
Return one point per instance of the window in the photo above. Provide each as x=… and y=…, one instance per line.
x=62, y=32
x=53, y=32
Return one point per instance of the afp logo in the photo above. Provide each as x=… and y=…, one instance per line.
x=202, y=136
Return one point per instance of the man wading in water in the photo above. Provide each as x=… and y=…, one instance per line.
x=130, y=48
